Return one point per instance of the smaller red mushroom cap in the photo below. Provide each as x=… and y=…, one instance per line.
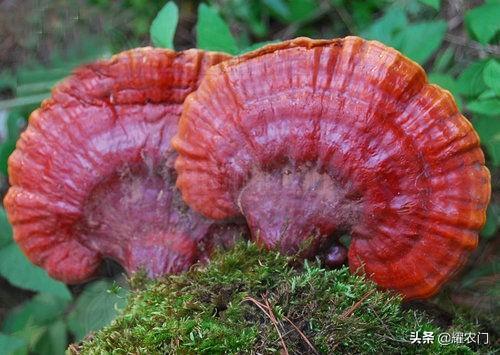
x=92, y=176
x=311, y=139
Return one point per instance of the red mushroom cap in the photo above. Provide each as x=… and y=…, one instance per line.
x=92, y=176
x=309, y=139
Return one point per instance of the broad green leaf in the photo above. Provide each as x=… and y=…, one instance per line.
x=301, y=10
x=21, y=273
x=491, y=75
x=32, y=101
x=447, y=82
x=38, y=75
x=164, y=25
x=212, y=33
x=54, y=340
x=10, y=345
x=471, y=82
x=488, y=128
x=13, y=125
x=434, y=3
x=487, y=94
x=362, y=13
x=249, y=14
x=489, y=107
x=419, y=41
x=484, y=21
x=492, y=221
x=42, y=309
x=37, y=320
x=6, y=149
x=31, y=334
x=95, y=308
x=279, y=7
x=5, y=229
x=35, y=88
x=387, y=27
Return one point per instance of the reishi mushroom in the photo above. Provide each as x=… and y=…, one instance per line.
x=310, y=139
x=92, y=176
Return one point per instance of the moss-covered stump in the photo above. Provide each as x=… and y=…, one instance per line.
x=247, y=300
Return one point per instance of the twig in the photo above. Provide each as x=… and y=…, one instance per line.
x=271, y=316
x=464, y=42
x=302, y=335
x=348, y=312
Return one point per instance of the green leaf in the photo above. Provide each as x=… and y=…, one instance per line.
x=54, y=340
x=484, y=21
x=492, y=221
x=248, y=13
x=10, y=345
x=279, y=7
x=434, y=3
x=443, y=60
x=21, y=273
x=6, y=149
x=489, y=107
x=447, y=82
x=387, y=27
x=39, y=322
x=5, y=229
x=212, y=33
x=419, y=41
x=487, y=94
x=488, y=129
x=491, y=75
x=42, y=309
x=95, y=308
x=23, y=102
x=301, y=10
x=471, y=82
x=13, y=126
x=163, y=28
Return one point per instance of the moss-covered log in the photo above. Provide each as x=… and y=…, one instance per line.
x=247, y=300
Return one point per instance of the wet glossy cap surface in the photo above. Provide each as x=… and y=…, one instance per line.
x=309, y=139
x=92, y=176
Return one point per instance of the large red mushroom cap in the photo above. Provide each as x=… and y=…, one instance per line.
x=92, y=176
x=309, y=139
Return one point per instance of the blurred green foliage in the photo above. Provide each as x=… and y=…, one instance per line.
x=466, y=64
x=41, y=324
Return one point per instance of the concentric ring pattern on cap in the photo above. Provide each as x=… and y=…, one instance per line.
x=403, y=161
x=86, y=174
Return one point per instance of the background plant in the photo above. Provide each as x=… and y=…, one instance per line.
x=457, y=42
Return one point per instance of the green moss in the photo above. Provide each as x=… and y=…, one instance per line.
x=223, y=308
